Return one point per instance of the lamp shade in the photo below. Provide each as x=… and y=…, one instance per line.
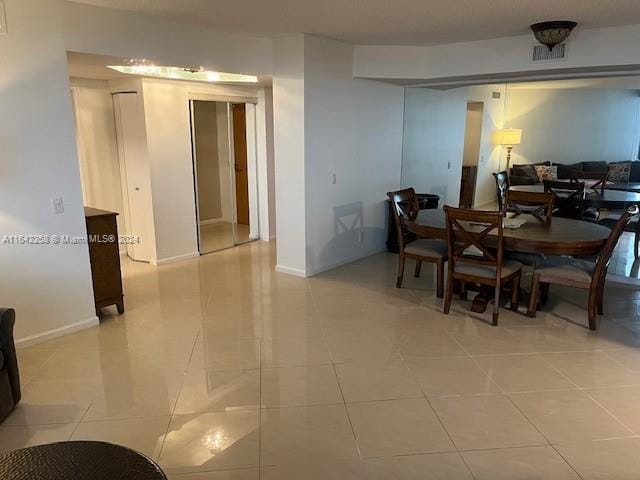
x=508, y=136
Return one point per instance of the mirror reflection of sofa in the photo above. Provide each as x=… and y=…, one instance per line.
x=618, y=172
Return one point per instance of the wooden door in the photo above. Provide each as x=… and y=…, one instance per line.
x=240, y=162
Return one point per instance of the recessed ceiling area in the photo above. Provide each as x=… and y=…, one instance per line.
x=96, y=67
x=384, y=22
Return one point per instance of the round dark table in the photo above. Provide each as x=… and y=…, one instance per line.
x=624, y=187
x=610, y=199
x=78, y=461
x=564, y=236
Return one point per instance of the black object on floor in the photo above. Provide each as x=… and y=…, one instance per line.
x=81, y=460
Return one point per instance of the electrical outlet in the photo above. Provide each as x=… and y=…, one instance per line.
x=58, y=205
x=3, y=19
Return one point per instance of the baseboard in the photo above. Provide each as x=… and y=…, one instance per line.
x=268, y=239
x=211, y=221
x=291, y=271
x=57, y=332
x=163, y=261
x=315, y=271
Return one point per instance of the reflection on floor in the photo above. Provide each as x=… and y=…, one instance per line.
x=216, y=236
x=222, y=364
x=623, y=262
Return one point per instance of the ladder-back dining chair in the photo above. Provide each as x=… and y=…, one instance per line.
x=581, y=273
x=502, y=187
x=405, y=205
x=538, y=204
x=477, y=257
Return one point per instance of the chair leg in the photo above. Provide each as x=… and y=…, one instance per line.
x=544, y=293
x=440, y=279
x=636, y=241
x=496, y=306
x=449, y=295
x=515, y=293
x=416, y=272
x=400, y=271
x=601, y=299
x=593, y=300
x=533, y=297
x=463, y=290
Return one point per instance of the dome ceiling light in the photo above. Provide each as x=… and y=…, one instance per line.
x=553, y=33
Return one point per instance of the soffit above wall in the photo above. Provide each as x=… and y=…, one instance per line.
x=384, y=22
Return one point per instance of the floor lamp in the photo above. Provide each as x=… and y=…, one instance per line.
x=508, y=137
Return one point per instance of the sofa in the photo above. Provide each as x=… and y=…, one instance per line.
x=526, y=174
x=9, y=376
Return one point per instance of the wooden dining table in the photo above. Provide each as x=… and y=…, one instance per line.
x=564, y=236
x=607, y=198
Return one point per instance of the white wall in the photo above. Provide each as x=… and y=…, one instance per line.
x=611, y=48
x=574, y=125
x=490, y=154
x=48, y=285
x=98, y=147
x=433, y=141
x=353, y=129
x=289, y=150
x=266, y=167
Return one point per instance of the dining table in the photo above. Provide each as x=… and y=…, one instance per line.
x=624, y=186
x=563, y=236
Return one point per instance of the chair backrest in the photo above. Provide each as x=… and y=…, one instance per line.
x=405, y=205
x=602, y=264
x=540, y=204
x=568, y=197
x=470, y=228
x=502, y=186
x=600, y=178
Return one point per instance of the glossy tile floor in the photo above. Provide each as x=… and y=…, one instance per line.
x=223, y=369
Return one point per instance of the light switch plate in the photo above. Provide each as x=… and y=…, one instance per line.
x=3, y=19
x=57, y=205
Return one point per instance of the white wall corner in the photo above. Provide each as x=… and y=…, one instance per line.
x=291, y=271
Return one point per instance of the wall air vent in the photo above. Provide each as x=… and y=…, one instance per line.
x=541, y=53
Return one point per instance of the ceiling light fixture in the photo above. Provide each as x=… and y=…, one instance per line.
x=181, y=73
x=553, y=33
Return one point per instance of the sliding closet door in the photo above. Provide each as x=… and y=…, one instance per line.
x=135, y=175
x=213, y=175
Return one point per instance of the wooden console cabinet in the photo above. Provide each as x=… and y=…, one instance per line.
x=104, y=252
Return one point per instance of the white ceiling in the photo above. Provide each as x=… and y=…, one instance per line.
x=385, y=22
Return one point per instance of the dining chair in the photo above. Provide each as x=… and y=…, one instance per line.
x=597, y=180
x=476, y=257
x=405, y=203
x=537, y=204
x=569, y=199
x=580, y=273
x=633, y=226
x=502, y=187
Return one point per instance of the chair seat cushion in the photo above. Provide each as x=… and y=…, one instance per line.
x=566, y=269
x=431, y=248
x=508, y=267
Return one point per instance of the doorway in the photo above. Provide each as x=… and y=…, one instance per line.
x=224, y=169
x=471, y=153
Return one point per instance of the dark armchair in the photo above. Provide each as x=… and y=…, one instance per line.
x=9, y=377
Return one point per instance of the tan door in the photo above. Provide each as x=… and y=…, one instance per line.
x=240, y=154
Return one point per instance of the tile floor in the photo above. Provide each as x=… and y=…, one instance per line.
x=223, y=369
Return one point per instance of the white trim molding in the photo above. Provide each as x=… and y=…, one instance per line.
x=58, y=332
x=178, y=258
x=291, y=271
